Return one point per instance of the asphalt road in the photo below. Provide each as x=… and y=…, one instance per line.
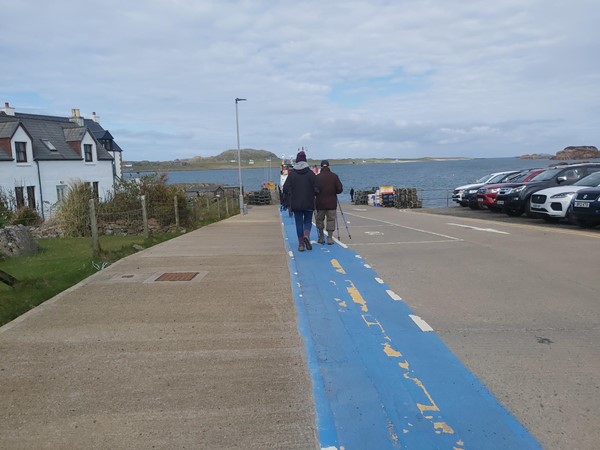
x=515, y=299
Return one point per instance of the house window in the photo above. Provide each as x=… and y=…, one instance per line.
x=61, y=192
x=95, y=190
x=31, y=196
x=21, y=151
x=19, y=196
x=49, y=145
x=87, y=151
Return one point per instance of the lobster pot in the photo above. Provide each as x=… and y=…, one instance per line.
x=362, y=197
x=262, y=197
x=407, y=198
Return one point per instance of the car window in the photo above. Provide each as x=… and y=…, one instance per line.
x=591, y=180
x=547, y=175
x=484, y=179
x=573, y=174
x=497, y=178
x=519, y=176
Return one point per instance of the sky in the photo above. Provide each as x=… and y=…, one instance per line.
x=343, y=79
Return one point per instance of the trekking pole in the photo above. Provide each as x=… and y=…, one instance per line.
x=337, y=228
x=343, y=217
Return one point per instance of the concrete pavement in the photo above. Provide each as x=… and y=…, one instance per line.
x=192, y=343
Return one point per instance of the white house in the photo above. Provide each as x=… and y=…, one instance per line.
x=40, y=156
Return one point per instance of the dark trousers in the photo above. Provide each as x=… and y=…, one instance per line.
x=303, y=221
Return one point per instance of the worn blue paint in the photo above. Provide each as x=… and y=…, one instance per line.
x=366, y=398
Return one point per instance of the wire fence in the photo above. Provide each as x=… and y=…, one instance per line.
x=400, y=197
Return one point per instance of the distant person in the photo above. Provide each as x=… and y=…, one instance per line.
x=352, y=195
x=299, y=194
x=328, y=186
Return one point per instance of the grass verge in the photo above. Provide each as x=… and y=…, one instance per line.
x=60, y=264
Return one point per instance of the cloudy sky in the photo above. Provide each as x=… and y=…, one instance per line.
x=378, y=78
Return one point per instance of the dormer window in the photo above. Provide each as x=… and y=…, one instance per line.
x=21, y=151
x=49, y=145
x=87, y=151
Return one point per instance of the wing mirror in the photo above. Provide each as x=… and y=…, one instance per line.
x=561, y=179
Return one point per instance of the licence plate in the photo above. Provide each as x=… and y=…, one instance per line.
x=582, y=204
x=499, y=202
x=536, y=206
x=479, y=199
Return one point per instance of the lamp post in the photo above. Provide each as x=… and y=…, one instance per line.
x=237, y=126
x=269, y=160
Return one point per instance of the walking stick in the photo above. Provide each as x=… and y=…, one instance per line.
x=343, y=217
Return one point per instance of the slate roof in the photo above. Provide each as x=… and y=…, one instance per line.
x=58, y=130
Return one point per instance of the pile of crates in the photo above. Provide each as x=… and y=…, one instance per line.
x=389, y=197
x=262, y=197
x=407, y=198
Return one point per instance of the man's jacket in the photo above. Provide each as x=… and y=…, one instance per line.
x=327, y=186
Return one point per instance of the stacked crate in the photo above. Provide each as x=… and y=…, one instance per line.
x=407, y=198
x=262, y=197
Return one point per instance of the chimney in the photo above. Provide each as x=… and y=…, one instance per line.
x=76, y=117
x=8, y=110
x=95, y=117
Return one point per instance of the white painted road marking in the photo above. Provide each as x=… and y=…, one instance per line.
x=393, y=295
x=379, y=280
x=489, y=230
x=424, y=326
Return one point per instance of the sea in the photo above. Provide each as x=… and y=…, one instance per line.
x=434, y=179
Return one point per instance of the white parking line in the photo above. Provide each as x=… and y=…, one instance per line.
x=488, y=230
x=379, y=280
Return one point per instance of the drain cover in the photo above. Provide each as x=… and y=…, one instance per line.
x=177, y=276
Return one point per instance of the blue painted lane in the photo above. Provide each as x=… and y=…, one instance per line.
x=381, y=378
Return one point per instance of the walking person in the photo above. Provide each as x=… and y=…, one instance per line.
x=328, y=186
x=352, y=195
x=299, y=193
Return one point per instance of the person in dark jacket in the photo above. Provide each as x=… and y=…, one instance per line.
x=328, y=186
x=299, y=192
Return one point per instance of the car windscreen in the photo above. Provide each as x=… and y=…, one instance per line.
x=547, y=175
x=484, y=179
x=497, y=178
x=591, y=180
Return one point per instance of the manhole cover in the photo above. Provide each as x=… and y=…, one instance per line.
x=178, y=276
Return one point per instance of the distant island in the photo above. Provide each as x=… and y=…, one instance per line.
x=253, y=158
x=569, y=153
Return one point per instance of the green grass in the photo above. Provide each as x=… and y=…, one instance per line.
x=60, y=264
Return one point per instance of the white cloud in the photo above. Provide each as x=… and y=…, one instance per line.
x=360, y=78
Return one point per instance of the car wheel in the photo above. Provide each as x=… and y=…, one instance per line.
x=474, y=206
x=513, y=213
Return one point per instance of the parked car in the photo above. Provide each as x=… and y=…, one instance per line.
x=554, y=203
x=459, y=192
x=515, y=200
x=586, y=207
x=486, y=194
x=470, y=195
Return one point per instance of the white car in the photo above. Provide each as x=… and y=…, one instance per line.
x=554, y=203
x=459, y=193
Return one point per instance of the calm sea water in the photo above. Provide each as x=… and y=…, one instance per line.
x=435, y=180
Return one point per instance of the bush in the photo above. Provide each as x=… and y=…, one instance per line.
x=5, y=208
x=26, y=216
x=72, y=215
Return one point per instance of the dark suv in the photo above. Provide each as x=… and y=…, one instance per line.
x=514, y=200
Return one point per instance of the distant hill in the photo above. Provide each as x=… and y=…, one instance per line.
x=245, y=153
x=578, y=152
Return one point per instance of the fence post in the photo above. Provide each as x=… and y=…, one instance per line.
x=175, y=201
x=94, y=226
x=219, y=207
x=145, y=216
x=226, y=206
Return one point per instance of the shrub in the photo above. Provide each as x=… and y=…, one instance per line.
x=26, y=216
x=72, y=215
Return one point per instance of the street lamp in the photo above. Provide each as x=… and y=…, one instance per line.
x=237, y=126
x=269, y=168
